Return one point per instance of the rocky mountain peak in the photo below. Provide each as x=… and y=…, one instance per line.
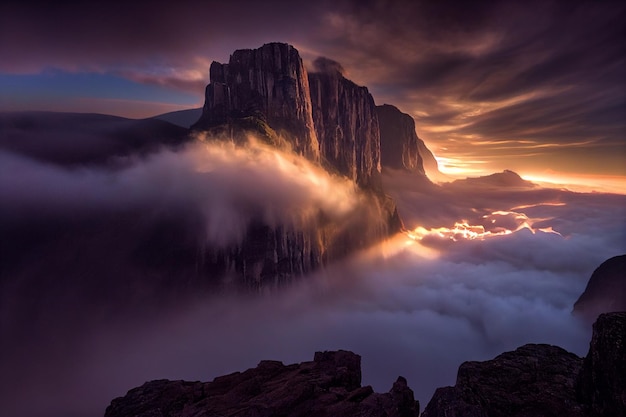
x=266, y=88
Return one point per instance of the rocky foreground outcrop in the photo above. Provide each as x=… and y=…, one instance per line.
x=330, y=386
x=601, y=385
x=543, y=380
x=606, y=290
x=535, y=380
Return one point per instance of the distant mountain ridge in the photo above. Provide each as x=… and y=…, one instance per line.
x=84, y=138
x=182, y=118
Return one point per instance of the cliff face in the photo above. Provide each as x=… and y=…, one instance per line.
x=400, y=147
x=606, y=290
x=330, y=385
x=270, y=84
x=346, y=124
x=322, y=116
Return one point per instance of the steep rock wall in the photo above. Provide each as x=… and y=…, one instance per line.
x=400, y=147
x=269, y=83
x=346, y=124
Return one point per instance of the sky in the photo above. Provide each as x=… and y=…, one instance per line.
x=536, y=87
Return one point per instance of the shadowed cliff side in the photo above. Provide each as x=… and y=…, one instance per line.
x=400, y=147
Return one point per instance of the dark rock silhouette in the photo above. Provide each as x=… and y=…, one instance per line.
x=543, y=380
x=72, y=139
x=533, y=380
x=606, y=290
x=506, y=178
x=330, y=385
x=400, y=147
x=602, y=382
x=182, y=118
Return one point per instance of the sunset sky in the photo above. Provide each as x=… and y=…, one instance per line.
x=536, y=87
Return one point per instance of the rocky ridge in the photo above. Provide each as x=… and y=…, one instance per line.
x=534, y=380
x=330, y=385
x=543, y=380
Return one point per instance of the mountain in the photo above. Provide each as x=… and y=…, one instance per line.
x=606, y=290
x=506, y=178
x=321, y=116
x=401, y=148
x=264, y=90
x=182, y=118
x=71, y=139
x=330, y=385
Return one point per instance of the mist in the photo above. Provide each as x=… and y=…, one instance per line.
x=416, y=305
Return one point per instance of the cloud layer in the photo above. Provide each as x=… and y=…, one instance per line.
x=411, y=308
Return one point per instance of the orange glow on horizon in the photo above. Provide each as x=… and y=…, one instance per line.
x=585, y=183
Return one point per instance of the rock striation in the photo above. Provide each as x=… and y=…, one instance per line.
x=323, y=116
x=606, y=290
x=330, y=385
x=401, y=148
x=346, y=124
x=543, y=380
x=266, y=90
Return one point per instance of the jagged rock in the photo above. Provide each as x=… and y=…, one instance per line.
x=330, y=385
x=606, y=290
x=346, y=123
x=601, y=385
x=543, y=380
x=399, y=144
x=533, y=380
x=264, y=90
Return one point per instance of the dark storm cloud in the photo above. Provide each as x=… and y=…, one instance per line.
x=549, y=71
x=102, y=36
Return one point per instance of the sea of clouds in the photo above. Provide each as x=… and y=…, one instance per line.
x=416, y=306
